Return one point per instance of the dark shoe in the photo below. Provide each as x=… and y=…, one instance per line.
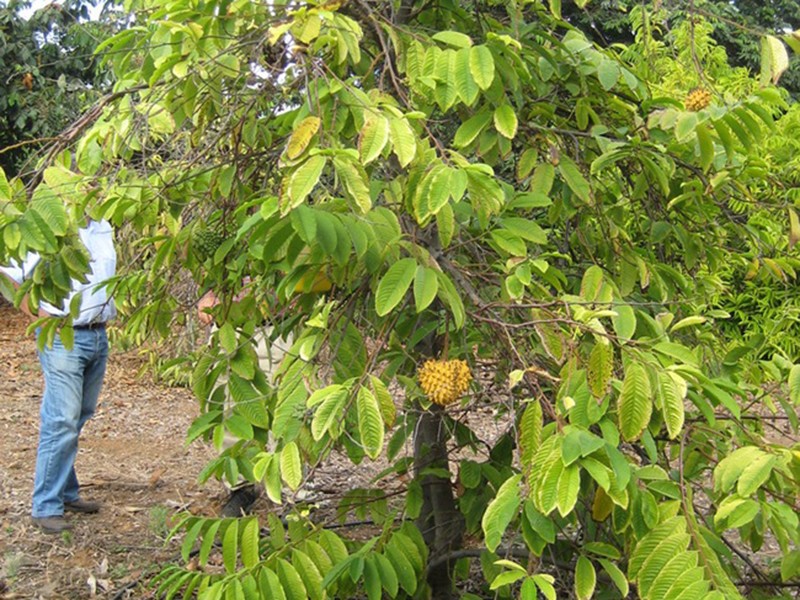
x=55, y=524
x=82, y=506
x=240, y=501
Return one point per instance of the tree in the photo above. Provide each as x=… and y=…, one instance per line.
x=49, y=73
x=738, y=26
x=477, y=181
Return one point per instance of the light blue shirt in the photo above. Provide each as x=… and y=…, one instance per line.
x=97, y=305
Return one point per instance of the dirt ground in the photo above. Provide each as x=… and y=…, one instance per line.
x=132, y=458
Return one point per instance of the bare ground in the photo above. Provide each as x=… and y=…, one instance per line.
x=132, y=458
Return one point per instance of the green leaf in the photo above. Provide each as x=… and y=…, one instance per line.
x=591, y=283
x=249, y=542
x=5, y=189
x=790, y=565
x=706, y=146
x=500, y=512
x=527, y=229
x=569, y=483
x=509, y=242
x=794, y=384
x=481, y=65
x=542, y=180
x=406, y=576
x=685, y=126
x=329, y=410
x=309, y=574
x=272, y=480
x=730, y=468
x=616, y=575
x=688, y=322
x=506, y=578
x=445, y=225
x=672, y=392
x=302, y=182
x=373, y=137
x=291, y=582
x=734, y=512
x=394, y=285
x=451, y=298
x=227, y=338
x=209, y=537
x=355, y=183
x=426, y=286
x=530, y=436
x=470, y=129
x=271, y=586
x=230, y=546
x=439, y=190
x=505, y=121
x=370, y=423
x=52, y=211
x=600, y=368
x=388, y=575
x=608, y=74
x=466, y=86
x=575, y=179
x=385, y=401
x=635, y=404
x=291, y=467
x=453, y=38
x=190, y=538
x=585, y=578
x=404, y=141
x=372, y=578
x=755, y=474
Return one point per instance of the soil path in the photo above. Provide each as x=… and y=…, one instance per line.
x=132, y=458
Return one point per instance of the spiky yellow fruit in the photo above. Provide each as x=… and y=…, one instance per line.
x=444, y=381
x=697, y=99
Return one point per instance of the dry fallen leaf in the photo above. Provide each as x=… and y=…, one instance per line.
x=156, y=476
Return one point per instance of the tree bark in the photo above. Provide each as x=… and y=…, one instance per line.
x=440, y=521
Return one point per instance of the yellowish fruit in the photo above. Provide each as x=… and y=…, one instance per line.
x=697, y=99
x=444, y=381
x=318, y=285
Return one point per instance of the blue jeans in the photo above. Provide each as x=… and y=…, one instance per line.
x=72, y=381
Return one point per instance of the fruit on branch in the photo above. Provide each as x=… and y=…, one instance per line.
x=697, y=99
x=313, y=283
x=205, y=242
x=444, y=381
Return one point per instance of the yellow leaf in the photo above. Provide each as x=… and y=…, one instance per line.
x=780, y=58
x=301, y=137
x=601, y=505
x=752, y=270
x=775, y=268
x=794, y=228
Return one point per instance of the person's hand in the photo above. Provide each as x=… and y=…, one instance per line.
x=207, y=302
x=26, y=310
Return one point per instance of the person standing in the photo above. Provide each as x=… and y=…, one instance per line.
x=270, y=353
x=72, y=379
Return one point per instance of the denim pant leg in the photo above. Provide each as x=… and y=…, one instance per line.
x=64, y=410
x=93, y=375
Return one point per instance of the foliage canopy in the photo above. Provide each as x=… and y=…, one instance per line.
x=475, y=181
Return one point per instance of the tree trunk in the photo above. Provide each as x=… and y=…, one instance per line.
x=440, y=521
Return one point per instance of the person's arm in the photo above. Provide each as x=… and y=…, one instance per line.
x=24, y=304
x=206, y=303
